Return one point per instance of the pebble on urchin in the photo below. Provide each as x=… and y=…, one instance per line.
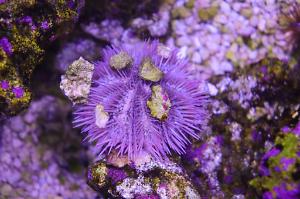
x=148, y=104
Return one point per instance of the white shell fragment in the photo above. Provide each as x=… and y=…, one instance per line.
x=101, y=116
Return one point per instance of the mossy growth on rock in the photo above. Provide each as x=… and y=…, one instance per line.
x=250, y=107
x=26, y=27
x=279, y=168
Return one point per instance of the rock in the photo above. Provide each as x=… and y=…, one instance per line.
x=221, y=18
x=157, y=25
x=206, y=14
x=73, y=50
x=262, y=24
x=25, y=34
x=152, y=179
x=213, y=91
x=183, y=41
x=264, y=104
x=159, y=103
x=131, y=187
x=120, y=60
x=97, y=174
x=160, y=27
x=196, y=58
x=247, y=12
x=225, y=7
x=149, y=71
x=6, y=190
x=76, y=82
x=117, y=160
x=181, y=12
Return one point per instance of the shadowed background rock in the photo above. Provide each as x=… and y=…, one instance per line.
x=26, y=29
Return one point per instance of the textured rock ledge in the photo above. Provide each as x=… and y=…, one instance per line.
x=144, y=178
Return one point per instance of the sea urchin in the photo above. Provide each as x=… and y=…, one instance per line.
x=141, y=100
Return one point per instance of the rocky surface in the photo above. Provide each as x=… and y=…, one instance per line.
x=249, y=150
x=144, y=179
x=26, y=29
x=40, y=157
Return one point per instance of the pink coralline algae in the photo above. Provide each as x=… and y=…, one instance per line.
x=116, y=175
x=141, y=101
x=267, y=195
x=286, y=162
x=4, y=84
x=208, y=155
x=283, y=191
x=263, y=170
x=45, y=25
x=18, y=91
x=6, y=45
x=26, y=20
x=296, y=130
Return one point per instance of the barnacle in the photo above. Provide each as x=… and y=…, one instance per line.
x=146, y=104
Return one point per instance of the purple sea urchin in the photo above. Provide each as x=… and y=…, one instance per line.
x=142, y=101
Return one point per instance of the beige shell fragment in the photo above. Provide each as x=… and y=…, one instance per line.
x=120, y=60
x=149, y=71
x=159, y=103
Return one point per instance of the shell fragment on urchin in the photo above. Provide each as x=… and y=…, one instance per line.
x=134, y=110
x=149, y=71
x=159, y=103
x=120, y=60
x=101, y=116
x=76, y=82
